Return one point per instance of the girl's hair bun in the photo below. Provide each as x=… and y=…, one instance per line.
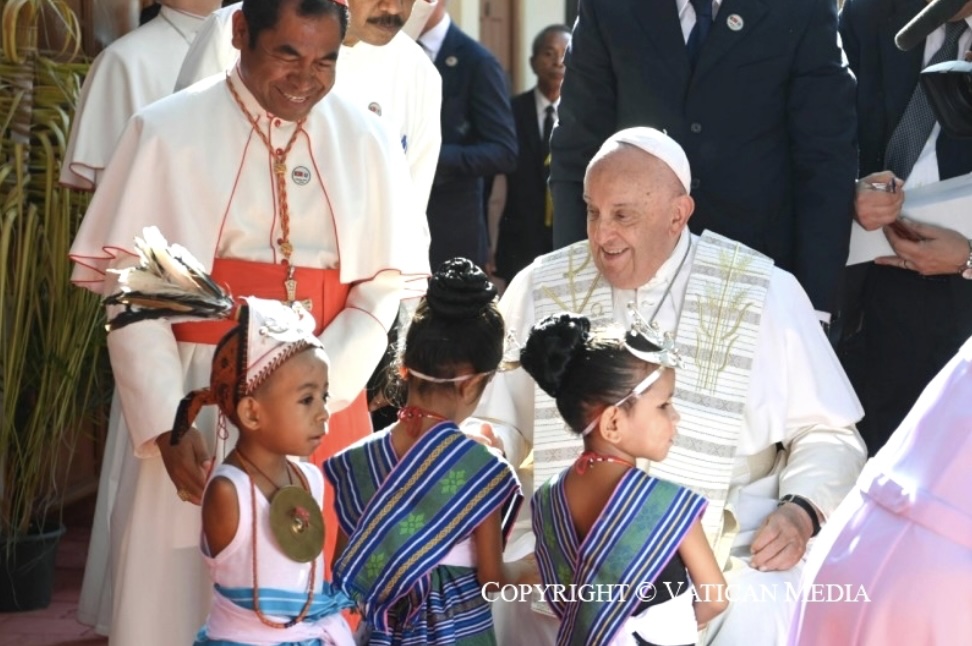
x=459, y=290
x=552, y=347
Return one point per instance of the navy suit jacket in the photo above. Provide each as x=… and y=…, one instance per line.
x=522, y=233
x=478, y=140
x=766, y=119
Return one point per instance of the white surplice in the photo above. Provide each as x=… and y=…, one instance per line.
x=207, y=184
x=129, y=74
x=135, y=70
x=396, y=81
x=798, y=396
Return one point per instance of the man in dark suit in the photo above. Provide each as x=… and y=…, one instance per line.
x=765, y=114
x=915, y=308
x=525, y=230
x=478, y=139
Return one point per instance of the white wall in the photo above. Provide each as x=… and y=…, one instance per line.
x=529, y=17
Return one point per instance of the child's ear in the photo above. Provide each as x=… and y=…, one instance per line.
x=472, y=388
x=611, y=424
x=248, y=412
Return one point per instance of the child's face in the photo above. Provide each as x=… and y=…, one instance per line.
x=651, y=422
x=292, y=405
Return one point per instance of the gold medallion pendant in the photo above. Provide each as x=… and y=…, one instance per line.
x=297, y=524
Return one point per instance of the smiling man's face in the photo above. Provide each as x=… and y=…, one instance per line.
x=291, y=67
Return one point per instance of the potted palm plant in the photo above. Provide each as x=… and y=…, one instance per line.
x=50, y=331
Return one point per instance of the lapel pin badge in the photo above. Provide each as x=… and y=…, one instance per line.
x=451, y=61
x=375, y=107
x=734, y=22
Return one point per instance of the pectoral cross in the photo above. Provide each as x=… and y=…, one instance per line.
x=290, y=284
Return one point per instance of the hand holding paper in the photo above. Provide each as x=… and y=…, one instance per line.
x=878, y=200
x=939, y=212
x=940, y=251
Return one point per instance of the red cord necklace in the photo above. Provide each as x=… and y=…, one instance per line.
x=588, y=458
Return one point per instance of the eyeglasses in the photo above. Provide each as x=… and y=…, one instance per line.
x=636, y=392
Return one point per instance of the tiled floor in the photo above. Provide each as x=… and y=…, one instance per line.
x=56, y=625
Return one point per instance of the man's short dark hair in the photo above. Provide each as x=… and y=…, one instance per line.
x=264, y=14
x=542, y=36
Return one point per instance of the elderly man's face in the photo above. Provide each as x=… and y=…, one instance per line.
x=292, y=66
x=636, y=211
x=376, y=22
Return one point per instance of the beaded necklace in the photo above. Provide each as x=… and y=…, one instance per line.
x=280, y=173
x=411, y=418
x=587, y=459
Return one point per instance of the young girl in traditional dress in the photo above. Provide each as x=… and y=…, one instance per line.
x=422, y=507
x=604, y=522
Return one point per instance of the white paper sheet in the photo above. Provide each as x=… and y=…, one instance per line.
x=946, y=204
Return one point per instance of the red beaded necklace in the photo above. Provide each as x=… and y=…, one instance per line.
x=411, y=418
x=588, y=458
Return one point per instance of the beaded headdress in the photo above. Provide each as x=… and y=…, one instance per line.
x=169, y=283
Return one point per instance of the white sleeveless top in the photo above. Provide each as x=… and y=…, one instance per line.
x=233, y=567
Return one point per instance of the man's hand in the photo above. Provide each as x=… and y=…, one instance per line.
x=484, y=435
x=876, y=207
x=940, y=251
x=781, y=541
x=187, y=463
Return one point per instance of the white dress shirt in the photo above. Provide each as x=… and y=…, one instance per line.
x=431, y=41
x=542, y=102
x=686, y=15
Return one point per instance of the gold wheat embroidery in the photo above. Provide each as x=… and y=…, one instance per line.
x=721, y=313
x=570, y=275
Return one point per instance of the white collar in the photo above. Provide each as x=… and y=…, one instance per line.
x=432, y=39
x=671, y=266
x=683, y=5
x=542, y=102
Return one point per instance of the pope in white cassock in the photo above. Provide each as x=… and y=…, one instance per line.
x=767, y=432
x=381, y=69
x=133, y=71
x=284, y=190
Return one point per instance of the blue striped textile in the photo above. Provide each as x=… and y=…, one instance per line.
x=634, y=538
x=404, y=517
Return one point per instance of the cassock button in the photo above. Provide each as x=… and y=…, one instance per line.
x=696, y=127
x=696, y=182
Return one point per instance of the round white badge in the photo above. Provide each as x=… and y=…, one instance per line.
x=375, y=107
x=451, y=61
x=301, y=175
x=734, y=22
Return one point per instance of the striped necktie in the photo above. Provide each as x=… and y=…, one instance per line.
x=911, y=134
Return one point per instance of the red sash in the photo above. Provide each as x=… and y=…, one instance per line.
x=327, y=296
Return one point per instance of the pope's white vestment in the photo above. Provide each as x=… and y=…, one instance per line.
x=135, y=70
x=396, y=81
x=207, y=183
x=798, y=396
